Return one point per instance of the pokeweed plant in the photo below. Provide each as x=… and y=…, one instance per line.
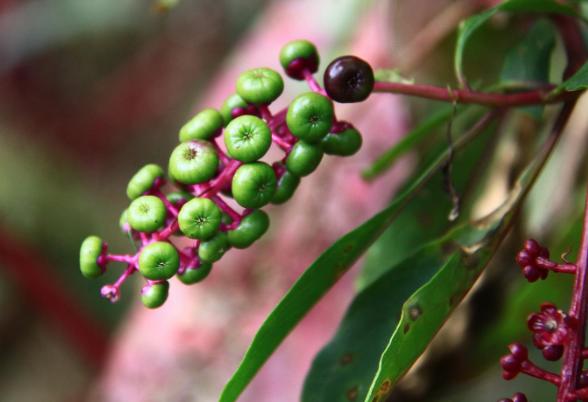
x=400, y=306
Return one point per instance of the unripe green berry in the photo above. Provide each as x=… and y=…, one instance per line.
x=247, y=138
x=147, y=214
x=159, y=260
x=200, y=218
x=90, y=251
x=143, y=180
x=260, y=86
x=254, y=185
x=310, y=116
x=195, y=275
x=231, y=103
x=345, y=143
x=287, y=184
x=123, y=221
x=212, y=250
x=193, y=162
x=203, y=126
x=304, y=158
x=153, y=295
x=179, y=197
x=251, y=228
x=298, y=56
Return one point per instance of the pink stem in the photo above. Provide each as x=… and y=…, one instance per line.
x=126, y=258
x=530, y=369
x=167, y=232
x=234, y=215
x=552, y=266
x=131, y=268
x=534, y=97
x=282, y=143
x=573, y=362
x=313, y=84
x=278, y=119
x=221, y=154
x=265, y=113
x=170, y=207
x=225, y=177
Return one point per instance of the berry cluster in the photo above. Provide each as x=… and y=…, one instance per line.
x=555, y=332
x=206, y=176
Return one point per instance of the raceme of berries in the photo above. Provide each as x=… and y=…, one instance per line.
x=560, y=335
x=202, y=177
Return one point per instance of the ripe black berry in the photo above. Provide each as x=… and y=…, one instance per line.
x=349, y=79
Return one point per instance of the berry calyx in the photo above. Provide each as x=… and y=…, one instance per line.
x=193, y=162
x=199, y=218
x=153, y=295
x=159, y=260
x=310, y=116
x=195, y=274
x=90, y=251
x=247, y=138
x=204, y=126
x=147, y=178
x=349, y=79
x=251, y=228
x=147, y=214
x=298, y=57
x=254, y=185
x=260, y=86
x=304, y=158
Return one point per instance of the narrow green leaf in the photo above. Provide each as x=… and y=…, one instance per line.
x=473, y=23
x=473, y=245
x=322, y=275
x=412, y=138
x=576, y=82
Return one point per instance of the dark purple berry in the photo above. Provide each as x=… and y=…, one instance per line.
x=583, y=380
x=552, y=352
x=533, y=247
x=510, y=363
x=523, y=258
x=349, y=79
x=531, y=273
x=519, y=351
x=519, y=397
x=509, y=375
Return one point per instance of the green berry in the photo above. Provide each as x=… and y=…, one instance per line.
x=193, y=162
x=179, y=197
x=147, y=214
x=194, y=275
x=123, y=221
x=310, y=116
x=200, y=218
x=247, y=138
x=260, y=86
x=231, y=103
x=304, y=158
x=345, y=143
x=287, y=184
x=254, y=185
x=153, y=295
x=212, y=250
x=299, y=56
x=203, y=126
x=90, y=251
x=159, y=260
x=251, y=228
x=143, y=180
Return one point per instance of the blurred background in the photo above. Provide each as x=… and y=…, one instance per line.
x=91, y=90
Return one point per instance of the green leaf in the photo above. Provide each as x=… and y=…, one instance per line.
x=469, y=249
x=412, y=138
x=528, y=63
x=320, y=277
x=471, y=25
x=576, y=82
